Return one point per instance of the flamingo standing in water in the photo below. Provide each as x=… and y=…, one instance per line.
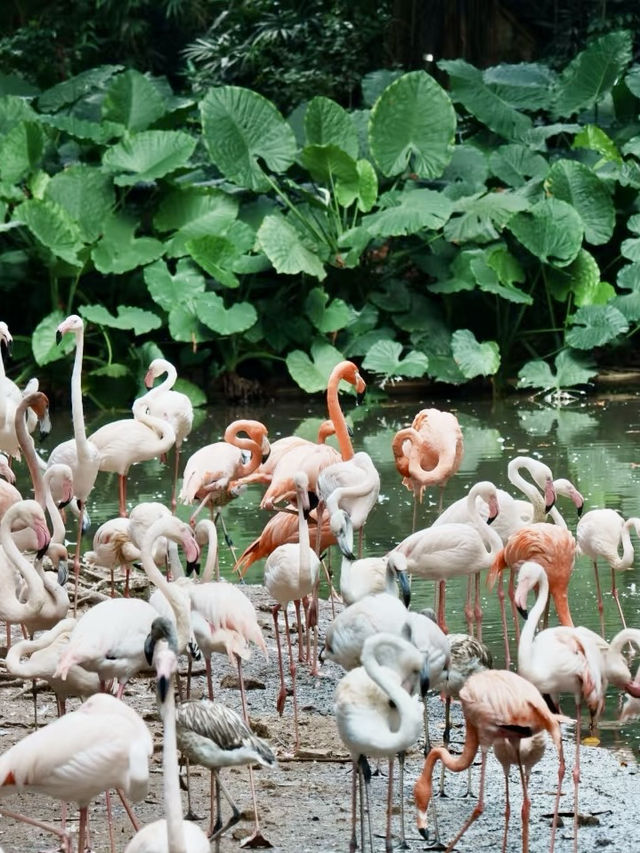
x=444, y=551
x=376, y=714
x=169, y=405
x=80, y=454
x=558, y=660
x=290, y=574
x=104, y=744
x=496, y=704
x=428, y=453
x=554, y=548
x=170, y=834
x=10, y=398
x=600, y=533
x=126, y=442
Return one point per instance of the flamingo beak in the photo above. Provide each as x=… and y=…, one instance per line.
x=63, y=572
x=42, y=539
x=522, y=611
x=404, y=587
x=148, y=379
x=58, y=336
x=191, y=547
x=633, y=689
x=549, y=495
x=424, y=678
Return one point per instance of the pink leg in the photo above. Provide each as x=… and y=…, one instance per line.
x=107, y=800
x=475, y=814
x=176, y=470
x=468, y=610
x=65, y=841
x=503, y=617
x=599, y=593
x=207, y=666
x=514, y=610
x=282, y=695
x=301, y=656
x=292, y=671
x=614, y=593
x=526, y=804
x=122, y=488
x=76, y=561
x=556, y=808
x=507, y=811
x=441, y=601
x=477, y=607
x=576, y=775
x=388, y=843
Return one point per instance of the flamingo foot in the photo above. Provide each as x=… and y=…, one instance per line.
x=191, y=815
x=256, y=839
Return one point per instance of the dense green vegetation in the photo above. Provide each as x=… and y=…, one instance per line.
x=489, y=230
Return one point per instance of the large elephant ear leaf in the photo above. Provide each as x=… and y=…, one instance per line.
x=240, y=128
x=551, y=230
x=575, y=183
x=412, y=126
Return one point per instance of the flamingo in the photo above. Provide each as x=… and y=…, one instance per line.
x=424, y=633
x=126, y=442
x=525, y=753
x=10, y=398
x=5, y=469
x=211, y=471
x=368, y=575
x=428, y=453
x=312, y=460
x=80, y=454
x=109, y=637
x=371, y=615
x=102, y=745
x=496, y=704
x=170, y=834
x=600, y=533
x=550, y=545
x=376, y=714
x=39, y=659
x=169, y=405
x=444, y=551
x=558, y=660
x=290, y=574
x=37, y=404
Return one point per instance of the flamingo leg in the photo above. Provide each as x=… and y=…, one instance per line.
x=446, y=738
x=441, y=602
x=301, y=656
x=353, y=842
x=526, y=803
x=614, y=593
x=468, y=611
x=235, y=814
x=365, y=774
x=107, y=801
x=122, y=489
x=282, y=695
x=76, y=562
x=388, y=845
x=403, y=839
x=477, y=607
x=556, y=808
x=599, y=594
x=507, y=811
x=512, y=598
x=475, y=814
x=176, y=471
x=503, y=618
x=207, y=667
x=576, y=775
x=292, y=672
x=65, y=841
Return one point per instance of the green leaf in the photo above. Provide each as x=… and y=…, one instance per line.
x=133, y=100
x=366, y=191
x=551, y=230
x=327, y=315
x=592, y=73
x=582, y=278
x=13, y=110
x=411, y=127
x=515, y=164
x=629, y=277
x=524, y=86
x=52, y=226
x=630, y=249
x=194, y=212
x=128, y=317
x=468, y=88
x=466, y=172
x=113, y=371
x=216, y=255
x=43, y=341
x=80, y=128
x=594, y=326
x=595, y=139
x=571, y=369
x=410, y=212
x=327, y=123
x=21, y=151
x=193, y=392
x=86, y=194
x=167, y=289
x=374, y=83
x=487, y=280
x=574, y=183
x=328, y=164
x=13, y=84
x=312, y=373
x=211, y=311
x=483, y=216
x=506, y=266
x=119, y=250
x=283, y=246
x=241, y=127
x=633, y=223
x=384, y=358
x=472, y=357
x=148, y=155
x=75, y=87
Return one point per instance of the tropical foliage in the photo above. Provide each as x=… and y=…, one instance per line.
x=454, y=235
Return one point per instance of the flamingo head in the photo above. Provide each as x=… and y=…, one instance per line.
x=342, y=529
x=397, y=562
x=494, y=509
x=549, y=494
x=160, y=650
x=5, y=470
x=6, y=338
x=32, y=514
x=528, y=577
x=633, y=689
x=72, y=323
x=191, y=547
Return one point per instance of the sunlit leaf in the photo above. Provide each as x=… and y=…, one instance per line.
x=551, y=230
x=594, y=326
x=576, y=184
x=472, y=357
x=571, y=369
x=128, y=317
x=311, y=373
x=133, y=101
x=283, y=246
x=43, y=341
x=212, y=312
x=148, y=155
x=327, y=123
x=326, y=314
x=385, y=358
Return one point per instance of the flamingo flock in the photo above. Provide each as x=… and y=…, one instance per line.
x=314, y=497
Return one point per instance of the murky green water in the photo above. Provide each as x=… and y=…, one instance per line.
x=593, y=442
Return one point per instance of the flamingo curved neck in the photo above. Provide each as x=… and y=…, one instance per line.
x=14, y=610
x=423, y=787
x=248, y=443
x=403, y=702
x=626, y=560
x=77, y=408
x=525, y=646
x=336, y=415
x=529, y=490
x=167, y=383
x=490, y=539
x=51, y=506
x=29, y=453
x=162, y=429
x=209, y=571
x=178, y=599
x=627, y=635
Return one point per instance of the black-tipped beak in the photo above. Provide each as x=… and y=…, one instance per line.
x=58, y=337
x=314, y=500
x=63, y=573
x=193, y=568
x=40, y=554
x=492, y=518
x=523, y=612
x=424, y=679
x=163, y=687
x=149, y=645
x=63, y=504
x=549, y=507
x=321, y=654
x=404, y=587
x=360, y=398
x=265, y=456
x=580, y=508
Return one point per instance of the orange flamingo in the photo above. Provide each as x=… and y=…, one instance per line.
x=428, y=452
x=210, y=472
x=496, y=704
x=554, y=548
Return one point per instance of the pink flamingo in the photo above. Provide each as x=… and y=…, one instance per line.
x=496, y=704
x=10, y=398
x=169, y=405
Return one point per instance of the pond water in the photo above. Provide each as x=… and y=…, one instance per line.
x=592, y=441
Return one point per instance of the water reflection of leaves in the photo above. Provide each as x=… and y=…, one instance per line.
x=569, y=422
x=480, y=442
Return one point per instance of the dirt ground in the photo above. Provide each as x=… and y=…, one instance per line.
x=304, y=803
